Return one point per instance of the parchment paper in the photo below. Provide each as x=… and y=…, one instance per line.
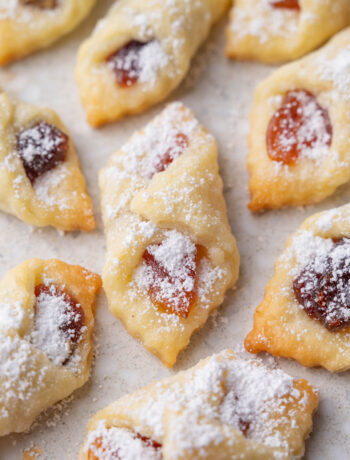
x=220, y=92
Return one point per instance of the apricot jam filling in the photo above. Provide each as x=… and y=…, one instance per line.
x=323, y=287
x=58, y=322
x=169, y=273
x=126, y=63
x=101, y=447
x=287, y=4
x=41, y=148
x=42, y=4
x=163, y=160
x=300, y=127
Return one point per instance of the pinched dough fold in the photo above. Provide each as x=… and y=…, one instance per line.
x=281, y=326
x=30, y=380
x=203, y=412
x=258, y=30
x=184, y=202
x=319, y=171
x=26, y=27
x=58, y=197
x=173, y=31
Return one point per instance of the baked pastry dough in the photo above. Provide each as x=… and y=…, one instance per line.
x=283, y=30
x=47, y=320
x=140, y=53
x=40, y=178
x=223, y=408
x=170, y=252
x=29, y=25
x=299, y=141
x=305, y=312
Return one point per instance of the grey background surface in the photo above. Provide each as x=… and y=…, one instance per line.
x=220, y=92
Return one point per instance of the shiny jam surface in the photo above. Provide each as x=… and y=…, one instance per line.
x=99, y=445
x=287, y=4
x=299, y=126
x=171, y=293
x=73, y=314
x=162, y=162
x=324, y=291
x=41, y=148
x=126, y=63
x=42, y=4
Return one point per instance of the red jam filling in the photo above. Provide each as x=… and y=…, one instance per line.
x=115, y=455
x=164, y=161
x=42, y=4
x=287, y=4
x=41, y=148
x=73, y=317
x=149, y=442
x=174, y=294
x=325, y=294
x=244, y=426
x=126, y=63
x=298, y=126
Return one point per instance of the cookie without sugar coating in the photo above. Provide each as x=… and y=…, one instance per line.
x=171, y=255
x=29, y=25
x=314, y=267
x=47, y=320
x=299, y=140
x=282, y=30
x=139, y=53
x=224, y=408
x=40, y=178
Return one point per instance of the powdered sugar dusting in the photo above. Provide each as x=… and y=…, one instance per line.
x=121, y=443
x=264, y=21
x=312, y=137
x=241, y=394
x=142, y=64
x=11, y=315
x=175, y=251
x=306, y=246
x=321, y=277
x=327, y=219
x=19, y=374
x=152, y=59
x=176, y=256
x=249, y=393
x=127, y=174
x=165, y=58
x=52, y=315
x=18, y=11
x=47, y=188
x=299, y=129
x=38, y=140
x=336, y=70
x=207, y=278
x=146, y=148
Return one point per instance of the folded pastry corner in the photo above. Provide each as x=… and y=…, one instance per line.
x=223, y=408
x=47, y=321
x=40, y=178
x=171, y=255
x=305, y=313
x=29, y=25
x=139, y=53
x=282, y=30
x=299, y=141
